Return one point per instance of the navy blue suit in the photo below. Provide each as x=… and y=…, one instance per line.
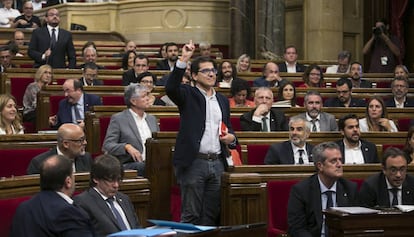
x=261, y=82
x=163, y=65
x=64, y=114
x=369, y=151
x=49, y=215
x=335, y=102
x=129, y=77
x=282, y=153
x=40, y=42
x=407, y=103
x=299, y=67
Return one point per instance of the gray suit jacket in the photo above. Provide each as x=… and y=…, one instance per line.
x=123, y=130
x=327, y=121
x=101, y=215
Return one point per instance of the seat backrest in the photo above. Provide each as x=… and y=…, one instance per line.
x=404, y=124
x=278, y=192
x=103, y=126
x=113, y=100
x=16, y=161
x=169, y=124
x=256, y=153
x=8, y=208
x=112, y=82
x=54, y=103
x=18, y=87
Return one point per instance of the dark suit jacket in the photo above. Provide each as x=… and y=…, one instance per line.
x=64, y=114
x=163, y=65
x=369, y=151
x=374, y=192
x=192, y=106
x=96, y=82
x=49, y=215
x=40, y=42
x=278, y=121
x=129, y=77
x=101, y=215
x=335, y=102
x=327, y=121
x=261, y=82
x=282, y=153
x=305, y=205
x=409, y=102
x=82, y=163
x=299, y=67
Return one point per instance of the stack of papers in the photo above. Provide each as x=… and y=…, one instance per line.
x=181, y=227
x=405, y=208
x=355, y=210
x=144, y=233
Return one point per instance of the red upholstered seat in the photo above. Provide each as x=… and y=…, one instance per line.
x=8, y=208
x=404, y=124
x=18, y=87
x=113, y=100
x=112, y=82
x=16, y=161
x=256, y=153
x=384, y=84
x=278, y=196
x=175, y=199
x=235, y=123
x=54, y=103
x=386, y=146
x=169, y=124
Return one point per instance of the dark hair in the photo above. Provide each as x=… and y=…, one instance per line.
x=220, y=74
x=160, y=50
x=90, y=65
x=408, y=149
x=280, y=92
x=12, y=47
x=291, y=46
x=106, y=167
x=169, y=44
x=5, y=48
x=307, y=72
x=344, y=80
x=147, y=74
x=383, y=114
x=392, y=152
x=345, y=54
x=53, y=176
x=195, y=64
x=400, y=78
x=311, y=92
x=77, y=84
x=318, y=151
x=238, y=85
x=142, y=56
x=341, y=121
x=125, y=57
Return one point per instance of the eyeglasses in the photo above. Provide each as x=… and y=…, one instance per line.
x=399, y=86
x=395, y=170
x=147, y=82
x=207, y=71
x=80, y=140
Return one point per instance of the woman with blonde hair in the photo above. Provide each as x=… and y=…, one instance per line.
x=10, y=121
x=401, y=70
x=243, y=63
x=376, y=117
x=42, y=77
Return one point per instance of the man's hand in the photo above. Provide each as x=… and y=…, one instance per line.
x=52, y=120
x=187, y=51
x=227, y=138
x=261, y=110
x=135, y=154
x=48, y=52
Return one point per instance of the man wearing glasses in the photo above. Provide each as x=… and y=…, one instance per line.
x=392, y=186
x=344, y=95
x=27, y=19
x=399, y=87
x=71, y=143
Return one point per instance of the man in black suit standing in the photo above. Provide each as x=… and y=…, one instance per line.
x=392, y=186
x=291, y=64
x=51, y=211
x=51, y=44
x=294, y=151
x=320, y=191
x=264, y=118
x=399, y=87
x=354, y=149
x=110, y=210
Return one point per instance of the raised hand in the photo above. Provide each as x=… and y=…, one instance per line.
x=187, y=51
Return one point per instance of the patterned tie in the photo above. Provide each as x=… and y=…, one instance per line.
x=264, y=124
x=53, y=39
x=300, y=156
x=314, y=129
x=116, y=214
x=77, y=113
x=394, y=196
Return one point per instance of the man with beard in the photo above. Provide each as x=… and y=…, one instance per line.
x=344, y=95
x=72, y=109
x=27, y=19
x=71, y=143
x=356, y=76
x=354, y=149
x=294, y=151
x=400, y=88
x=172, y=56
x=321, y=121
x=270, y=78
x=227, y=73
x=392, y=186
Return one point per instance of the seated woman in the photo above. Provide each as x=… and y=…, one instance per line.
x=287, y=94
x=240, y=91
x=376, y=117
x=312, y=77
x=42, y=77
x=401, y=70
x=148, y=79
x=10, y=121
x=185, y=81
x=409, y=144
x=243, y=63
x=128, y=59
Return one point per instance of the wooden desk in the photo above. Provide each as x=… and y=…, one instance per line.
x=392, y=223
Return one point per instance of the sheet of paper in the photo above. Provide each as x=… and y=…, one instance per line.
x=355, y=210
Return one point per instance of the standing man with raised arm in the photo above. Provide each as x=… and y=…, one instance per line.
x=201, y=146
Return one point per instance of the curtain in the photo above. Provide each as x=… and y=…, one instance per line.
x=397, y=10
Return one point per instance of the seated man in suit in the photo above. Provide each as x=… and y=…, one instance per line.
x=109, y=210
x=344, y=95
x=141, y=65
x=355, y=74
x=291, y=64
x=90, y=72
x=129, y=130
x=354, y=149
x=327, y=188
x=392, y=186
x=321, y=121
x=294, y=151
x=400, y=86
x=89, y=54
x=344, y=58
x=71, y=143
x=72, y=109
x=270, y=78
x=171, y=49
x=264, y=117
x=51, y=211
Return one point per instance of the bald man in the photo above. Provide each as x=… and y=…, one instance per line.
x=71, y=143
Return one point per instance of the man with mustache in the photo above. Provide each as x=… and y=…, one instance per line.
x=400, y=88
x=172, y=56
x=294, y=151
x=354, y=149
x=344, y=95
x=392, y=186
x=321, y=121
x=355, y=73
x=227, y=73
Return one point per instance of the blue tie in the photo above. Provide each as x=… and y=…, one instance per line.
x=116, y=214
